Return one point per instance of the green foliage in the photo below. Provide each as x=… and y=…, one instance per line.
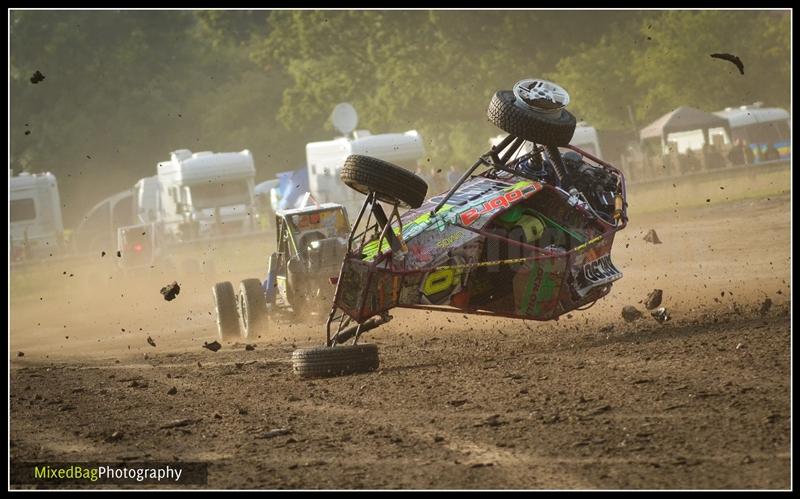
x=664, y=61
x=123, y=89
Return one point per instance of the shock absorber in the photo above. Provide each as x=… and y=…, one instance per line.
x=558, y=165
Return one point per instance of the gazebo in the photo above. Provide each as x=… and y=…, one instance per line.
x=683, y=119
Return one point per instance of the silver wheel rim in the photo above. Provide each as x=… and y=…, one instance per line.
x=541, y=95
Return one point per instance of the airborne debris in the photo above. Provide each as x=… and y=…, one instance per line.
x=37, y=77
x=20, y=354
x=652, y=237
x=117, y=435
x=178, y=423
x=732, y=59
x=631, y=313
x=277, y=432
x=653, y=299
x=213, y=346
x=151, y=342
x=765, y=306
x=249, y=348
x=660, y=314
x=170, y=291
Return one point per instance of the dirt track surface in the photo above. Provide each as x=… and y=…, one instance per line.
x=588, y=402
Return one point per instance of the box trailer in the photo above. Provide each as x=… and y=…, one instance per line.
x=36, y=225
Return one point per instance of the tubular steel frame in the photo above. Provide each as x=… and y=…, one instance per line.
x=382, y=227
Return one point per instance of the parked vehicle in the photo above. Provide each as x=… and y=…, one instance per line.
x=585, y=137
x=35, y=224
x=206, y=194
x=763, y=128
x=98, y=229
x=137, y=247
x=324, y=160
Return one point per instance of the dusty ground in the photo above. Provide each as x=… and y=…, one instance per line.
x=588, y=402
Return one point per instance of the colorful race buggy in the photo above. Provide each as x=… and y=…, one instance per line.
x=311, y=243
x=530, y=237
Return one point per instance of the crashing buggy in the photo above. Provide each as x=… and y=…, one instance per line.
x=530, y=237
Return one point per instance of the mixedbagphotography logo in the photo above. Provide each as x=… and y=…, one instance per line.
x=109, y=473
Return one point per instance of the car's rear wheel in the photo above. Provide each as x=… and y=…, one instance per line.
x=530, y=119
x=227, y=314
x=339, y=360
x=253, y=308
x=390, y=183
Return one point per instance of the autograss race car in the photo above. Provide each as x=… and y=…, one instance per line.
x=529, y=237
x=311, y=241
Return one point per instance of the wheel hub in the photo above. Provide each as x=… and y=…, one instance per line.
x=541, y=95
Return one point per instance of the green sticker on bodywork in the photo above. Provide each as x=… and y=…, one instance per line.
x=546, y=291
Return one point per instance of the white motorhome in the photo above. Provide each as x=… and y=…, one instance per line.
x=146, y=199
x=206, y=193
x=760, y=127
x=325, y=159
x=585, y=138
x=36, y=227
x=97, y=230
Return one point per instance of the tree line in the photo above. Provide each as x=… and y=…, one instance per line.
x=122, y=89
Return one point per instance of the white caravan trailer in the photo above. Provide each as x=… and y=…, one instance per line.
x=325, y=159
x=204, y=193
x=146, y=199
x=760, y=127
x=36, y=227
x=585, y=138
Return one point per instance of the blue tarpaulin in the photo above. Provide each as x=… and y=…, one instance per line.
x=292, y=185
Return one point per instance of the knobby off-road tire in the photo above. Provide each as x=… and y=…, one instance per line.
x=252, y=308
x=227, y=313
x=516, y=118
x=390, y=183
x=340, y=360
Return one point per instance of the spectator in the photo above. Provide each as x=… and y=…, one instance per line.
x=771, y=154
x=453, y=175
x=714, y=158
x=692, y=162
x=749, y=156
x=736, y=156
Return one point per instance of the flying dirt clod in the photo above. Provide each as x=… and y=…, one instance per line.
x=37, y=77
x=170, y=291
x=765, y=306
x=213, y=346
x=652, y=237
x=732, y=59
x=631, y=313
x=660, y=314
x=653, y=300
